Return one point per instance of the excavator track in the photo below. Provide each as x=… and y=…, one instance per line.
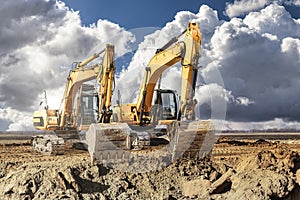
x=48, y=144
x=56, y=142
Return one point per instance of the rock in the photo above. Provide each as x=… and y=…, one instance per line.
x=8, y=188
x=195, y=187
x=213, y=176
x=298, y=176
x=223, y=184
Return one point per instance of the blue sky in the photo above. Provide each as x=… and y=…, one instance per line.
x=139, y=13
x=136, y=13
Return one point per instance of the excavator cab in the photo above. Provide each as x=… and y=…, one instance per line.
x=165, y=106
x=88, y=106
x=46, y=119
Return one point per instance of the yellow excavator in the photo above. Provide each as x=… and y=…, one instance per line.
x=136, y=125
x=81, y=104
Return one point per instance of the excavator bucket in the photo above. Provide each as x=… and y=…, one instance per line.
x=108, y=142
x=192, y=140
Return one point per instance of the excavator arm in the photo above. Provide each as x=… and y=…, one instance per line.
x=106, y=81
x=76, y=78
x=104, y=74
x=188, y=52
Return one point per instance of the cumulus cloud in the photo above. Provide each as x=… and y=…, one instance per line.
x=242, y=7
x=274, y=21
x=40, y=39
x=258, y=57
x=14, y=120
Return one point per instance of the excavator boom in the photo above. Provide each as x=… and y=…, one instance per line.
x=103, y=74
x=188, y=52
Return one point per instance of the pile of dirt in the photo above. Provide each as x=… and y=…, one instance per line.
x=265, y=175
x=77, y=178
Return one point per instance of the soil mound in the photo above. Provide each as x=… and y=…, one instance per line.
x=267, y=174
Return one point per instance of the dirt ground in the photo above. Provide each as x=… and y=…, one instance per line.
x=235, y=170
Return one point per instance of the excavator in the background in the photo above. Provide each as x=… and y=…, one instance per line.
x=135, y=125
x=82, y=104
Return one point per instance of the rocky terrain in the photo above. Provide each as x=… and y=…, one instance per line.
x=235, y=170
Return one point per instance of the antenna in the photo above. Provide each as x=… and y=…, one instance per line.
x=46, y=102
x=119, y=98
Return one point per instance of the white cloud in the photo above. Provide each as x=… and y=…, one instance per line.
x=276, y=123
x=40, y=39
x=244, y=101
x=289, y=2
x=14, y=120
x=291, y=48
x=205, y=92
x=274, y=20
x=242, y=7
